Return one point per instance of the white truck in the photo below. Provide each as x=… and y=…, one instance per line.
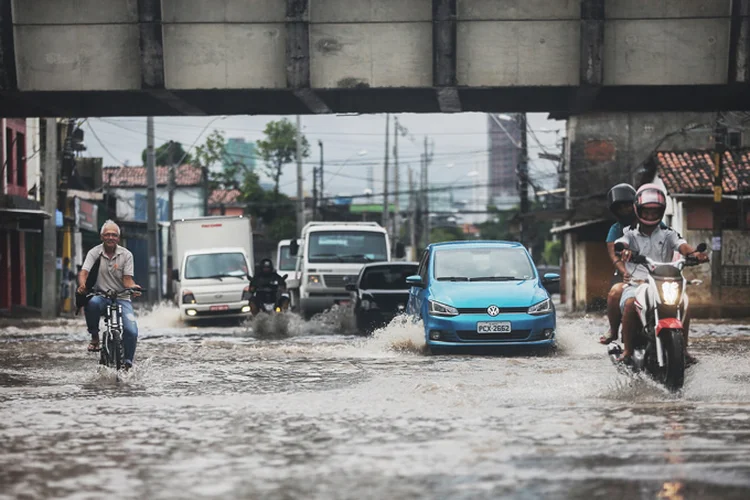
x=330, y=256
x=212, y=262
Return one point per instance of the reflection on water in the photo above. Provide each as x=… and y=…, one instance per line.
x=282, y=408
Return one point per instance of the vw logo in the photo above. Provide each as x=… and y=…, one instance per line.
x=218, y=295
x=493, y=311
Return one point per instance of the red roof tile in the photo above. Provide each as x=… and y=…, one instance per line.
x=224, y=196
x=186, y=175
x=692, y=172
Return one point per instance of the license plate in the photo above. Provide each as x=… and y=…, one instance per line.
x=218, y=308
x=493, y=327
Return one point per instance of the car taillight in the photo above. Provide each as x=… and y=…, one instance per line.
x=188, y=297
x=246, y=293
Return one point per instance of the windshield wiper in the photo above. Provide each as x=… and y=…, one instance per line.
x=219, y=276
x=495, y=278
x=325, y=256
x=355, y=256
x=453, y=278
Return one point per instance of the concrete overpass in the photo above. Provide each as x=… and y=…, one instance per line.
x=193, y=57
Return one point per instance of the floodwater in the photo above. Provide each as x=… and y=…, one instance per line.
x=288, y=409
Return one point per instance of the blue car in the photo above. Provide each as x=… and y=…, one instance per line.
x=481, y=293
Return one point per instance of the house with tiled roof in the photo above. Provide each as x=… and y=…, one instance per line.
x=129, y=185
x=225, y=202
x=688, y=179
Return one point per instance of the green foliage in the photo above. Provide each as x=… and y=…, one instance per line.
x=279, y=148
x=168, y=153
x=439, y=234
x=552, y=252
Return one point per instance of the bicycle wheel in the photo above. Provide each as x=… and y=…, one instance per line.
x=117, y=349
x=106, y=356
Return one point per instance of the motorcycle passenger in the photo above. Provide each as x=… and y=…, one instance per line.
x=266, y=286
x=620, y=201
x=650, y=240
x=115, y=273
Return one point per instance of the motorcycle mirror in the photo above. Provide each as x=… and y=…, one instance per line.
x=701, y=248
x=285, y=277
x=619, y=247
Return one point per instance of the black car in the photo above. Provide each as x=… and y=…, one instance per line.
x=380, y=293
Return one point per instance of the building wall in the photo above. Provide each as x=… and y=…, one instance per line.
x=503, y=161
x=188, y=202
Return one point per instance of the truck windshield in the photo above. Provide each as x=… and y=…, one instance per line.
x=287, y=262
x=215, y=265
x=347, y=246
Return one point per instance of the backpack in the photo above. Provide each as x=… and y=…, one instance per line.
x=81, y=298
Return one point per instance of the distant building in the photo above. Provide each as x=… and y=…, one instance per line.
x=504, y=134
x=240, y=151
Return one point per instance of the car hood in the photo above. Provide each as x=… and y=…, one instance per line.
x=462, y=294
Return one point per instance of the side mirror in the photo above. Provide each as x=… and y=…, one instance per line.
x=351, y=287
x=619, y=247
x=293, y=247
x=400, y=250
x=551, y=278
x=701, y=248
x=175, y=275
x=415, y=280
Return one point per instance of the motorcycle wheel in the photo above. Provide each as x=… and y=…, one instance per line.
x=673, y=346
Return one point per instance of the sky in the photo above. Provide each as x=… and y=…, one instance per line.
x=352, y=145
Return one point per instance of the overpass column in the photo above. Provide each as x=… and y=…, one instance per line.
x=591, y=55
x=8, y=76
x=739, y=44
x=444, y=55
x=298, y=55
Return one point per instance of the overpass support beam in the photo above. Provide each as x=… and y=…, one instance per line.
x=298, y=55
x=444, y=55
x=591, y=55
x=152, y=58
x=8, y=76
x=739, y=43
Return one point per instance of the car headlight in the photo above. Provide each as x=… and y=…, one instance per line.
x=542, y=307
x=438, y=309
x=314, y=279
x=670, y=292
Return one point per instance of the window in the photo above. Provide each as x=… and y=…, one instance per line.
x=215, y=265
x=483, y=263
x=287, y=262
x=8, y=164
x=20, y=160
x=424, y=265
x=734, y=139
x=347, y=246
x=387, y=277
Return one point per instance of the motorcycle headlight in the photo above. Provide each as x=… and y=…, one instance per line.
x=366, y=304
x=438, y=309
x=670, y=292
x=542, y=307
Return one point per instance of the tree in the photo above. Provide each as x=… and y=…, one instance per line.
x=447, y=233
x=552, y=252
x=169, y=153
x=279, y=148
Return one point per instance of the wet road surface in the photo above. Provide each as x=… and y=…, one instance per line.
x=303, y=410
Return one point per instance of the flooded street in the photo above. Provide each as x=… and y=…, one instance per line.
x=313, y=412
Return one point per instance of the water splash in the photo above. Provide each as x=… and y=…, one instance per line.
x=401, y=335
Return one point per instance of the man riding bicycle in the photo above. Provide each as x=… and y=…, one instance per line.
x=115, y=273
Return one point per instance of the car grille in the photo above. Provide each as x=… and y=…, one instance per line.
x=483, y=310
x=514, y=335
x=339, y=280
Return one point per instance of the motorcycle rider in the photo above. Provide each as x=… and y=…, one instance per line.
x=620, y=201
x=267, y=278
x=115, y=273
x=650, y=240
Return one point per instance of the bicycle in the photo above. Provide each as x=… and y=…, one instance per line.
x=110, y=347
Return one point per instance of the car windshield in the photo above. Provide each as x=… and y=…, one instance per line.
x=482, y=264
x=215, y=265
x=287, y=262
x=387, y=277
x=347, y=246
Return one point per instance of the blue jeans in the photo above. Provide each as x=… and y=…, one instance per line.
x=97, y=306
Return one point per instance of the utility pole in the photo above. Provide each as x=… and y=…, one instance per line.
x=385, y=173
x=396, y=187
x=171, y=188
x=716, y=244
x=412, y=219
x=154, y=290
x=315, y=194
x=49, y=265
x=426, y=190
x=300, y=199
x=523, y=187
x=320, y=173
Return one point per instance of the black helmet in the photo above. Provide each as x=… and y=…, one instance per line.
x=621, y=194
x=266, y=265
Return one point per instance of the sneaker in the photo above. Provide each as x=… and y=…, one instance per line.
x=93, y=345
x=127, y=365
